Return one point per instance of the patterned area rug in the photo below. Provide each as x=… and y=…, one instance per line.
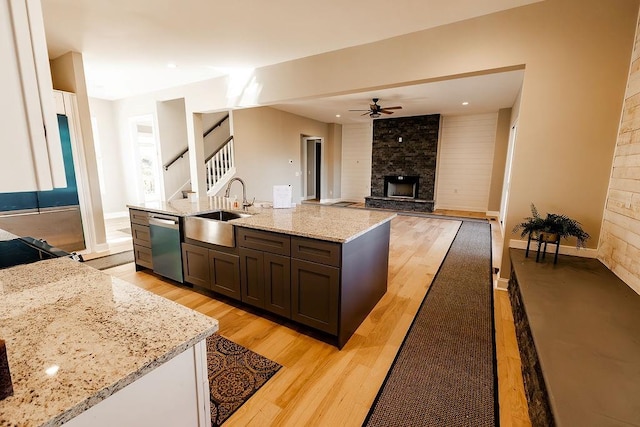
x=444, y=373
x=343, y=204
x=235, y=373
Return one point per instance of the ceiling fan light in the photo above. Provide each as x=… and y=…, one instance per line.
x=374, y=115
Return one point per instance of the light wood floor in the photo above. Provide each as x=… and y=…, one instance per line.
x=321, y=386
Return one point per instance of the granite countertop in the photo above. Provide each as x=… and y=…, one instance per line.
x=76, y=335
x=5, y=235
x=336, y=224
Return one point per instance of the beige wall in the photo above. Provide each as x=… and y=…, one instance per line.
x=619, y=247
x=265, y=140
x=112, y=197
x=499, y=159
x=67, y=73
x=576, y=58
x=172, y=136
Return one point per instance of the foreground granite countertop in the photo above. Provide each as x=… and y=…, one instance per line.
x=75, y=336
x=330, y=223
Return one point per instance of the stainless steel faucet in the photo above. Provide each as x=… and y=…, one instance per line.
x=245, y=203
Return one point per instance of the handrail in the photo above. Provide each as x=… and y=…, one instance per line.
x=175, y=159
x=215, y=126
x=181, y=155
x=219, y=148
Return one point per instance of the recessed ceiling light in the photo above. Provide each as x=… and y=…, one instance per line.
x=337, y=115
x=465, y=103
x=171, y=65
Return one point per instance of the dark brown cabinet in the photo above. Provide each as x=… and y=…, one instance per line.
x=141, y=238
x=211, y=269
x=224, y=271
x=315, y=292
x=265, y=270
x=195, y=265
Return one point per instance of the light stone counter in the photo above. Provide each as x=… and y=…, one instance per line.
x=75, y=336
x=5, y=235
x=322, y=222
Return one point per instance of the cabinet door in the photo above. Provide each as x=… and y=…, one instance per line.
x=314, y=295
x=195, y=264
x=277, y=284
x=27, y=103
x=252, y=277
x=225, y=274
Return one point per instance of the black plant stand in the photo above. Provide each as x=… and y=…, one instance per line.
x=542, y=240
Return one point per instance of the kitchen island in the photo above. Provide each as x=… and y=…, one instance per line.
x=321, y=266
x=88, y=349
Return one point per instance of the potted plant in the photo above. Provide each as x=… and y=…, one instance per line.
x=550, y=229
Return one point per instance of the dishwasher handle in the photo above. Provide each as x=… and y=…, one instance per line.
x=164, y=222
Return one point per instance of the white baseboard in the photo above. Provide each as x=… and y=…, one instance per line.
x=112, y=215
x=502, y=284
x=329, y=201
x=564, y=250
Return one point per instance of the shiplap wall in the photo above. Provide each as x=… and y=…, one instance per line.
x=356, y=161
x=465, y=162
x=619, y=246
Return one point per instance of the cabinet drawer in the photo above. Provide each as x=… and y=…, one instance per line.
x=141, y=235
x=143, y=256
x=139, y=217
x=316, y=251
x=264, y=241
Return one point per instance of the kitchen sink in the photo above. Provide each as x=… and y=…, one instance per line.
x=222, y=215
x=212, y=227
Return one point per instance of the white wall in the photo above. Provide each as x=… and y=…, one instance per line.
x=214, y=140
x=113, y=196
x=465, y=161
x=265, y=141
x=356, y=161
x=172, y=134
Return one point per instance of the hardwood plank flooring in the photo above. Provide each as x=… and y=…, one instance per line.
x=322, y=386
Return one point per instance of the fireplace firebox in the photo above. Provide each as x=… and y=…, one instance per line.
x=402, y=187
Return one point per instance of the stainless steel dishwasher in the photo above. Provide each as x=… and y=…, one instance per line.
x=165, y=246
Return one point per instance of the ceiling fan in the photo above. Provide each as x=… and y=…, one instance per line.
x=375, y=109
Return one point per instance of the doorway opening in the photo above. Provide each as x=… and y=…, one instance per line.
x=148, y=165
x=311, y=154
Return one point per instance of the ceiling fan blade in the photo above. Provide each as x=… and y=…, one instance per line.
x=392, y=108
x=366, y=114
x=359, y=110
x=385, y=111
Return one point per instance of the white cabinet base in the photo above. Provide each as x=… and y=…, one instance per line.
x=174, y=394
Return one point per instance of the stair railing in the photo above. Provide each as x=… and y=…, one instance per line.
x=220, y=164
x=204, y=135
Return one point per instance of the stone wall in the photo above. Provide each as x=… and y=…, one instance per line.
x=415, y=155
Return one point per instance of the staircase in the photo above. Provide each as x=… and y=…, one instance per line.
x=220, y=167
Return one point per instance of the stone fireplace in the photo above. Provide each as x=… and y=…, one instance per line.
x=403, y=163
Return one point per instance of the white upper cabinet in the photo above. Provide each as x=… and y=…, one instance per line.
x=30, y=149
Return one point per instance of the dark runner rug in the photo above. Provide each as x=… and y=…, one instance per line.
x=235, y=374
x=112, y=260
x=444, y=372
